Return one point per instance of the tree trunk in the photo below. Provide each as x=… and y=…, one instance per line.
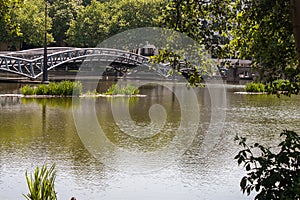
x=295, y=15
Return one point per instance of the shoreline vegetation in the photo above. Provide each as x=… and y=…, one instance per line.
x=59, y=89
x=73, y=89
x=277, y=87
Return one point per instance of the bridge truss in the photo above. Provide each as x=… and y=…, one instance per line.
x=29, y=63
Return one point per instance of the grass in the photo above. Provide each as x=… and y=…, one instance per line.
x=64, y=88
x=128, y=90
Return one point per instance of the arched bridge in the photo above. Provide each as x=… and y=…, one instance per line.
x=29, y=63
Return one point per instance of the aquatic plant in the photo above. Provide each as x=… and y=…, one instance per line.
x=41, y=184
x=116, y=89
x=255, y=87
x=64, y=88
x=27, y=90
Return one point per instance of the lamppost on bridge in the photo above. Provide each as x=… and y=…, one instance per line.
x=45, y=62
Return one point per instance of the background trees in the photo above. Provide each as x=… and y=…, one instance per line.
x=8, y=28
x=81, y=23
x=90, y=27
x=262, y=30
x=62, y=13
x=100, y=20
x=30, y=17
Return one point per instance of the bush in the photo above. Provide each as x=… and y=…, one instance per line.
x=41, y=90
x=273, y=176
x=281, y=86
x=255, y=87
x=41, y=184
x=128, y=90
x=27, y=90
x=64, y=88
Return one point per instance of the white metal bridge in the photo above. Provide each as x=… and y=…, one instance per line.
x=29, y=63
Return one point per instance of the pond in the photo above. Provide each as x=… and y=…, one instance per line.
x=35, y=131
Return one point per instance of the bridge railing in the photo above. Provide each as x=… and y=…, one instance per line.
x=29, y=63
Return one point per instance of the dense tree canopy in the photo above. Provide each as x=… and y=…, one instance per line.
x=79, y=23
x=258, y=30
x=8, y=28
x=207, y=22
x=90, y=27
x=62, y=13
x=100, y=20
x=31, y=18
x=264, y=33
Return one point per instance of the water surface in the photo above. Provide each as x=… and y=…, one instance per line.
x=38, y=131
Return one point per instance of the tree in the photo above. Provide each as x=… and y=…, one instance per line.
x=272, y=175
x=90, y=27
x=9, y=29
x=207, y=22
x=102, y=19
x=62, y=13
x=31, y=18
x=130, y=14
x=265, y=30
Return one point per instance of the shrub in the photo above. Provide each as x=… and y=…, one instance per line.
x=64, y=88
x=41, y=184
x=273, y=176
x=27, y=90
x=41, y=90
x=281, y=86
x=77, y=88
x=128, y=90
x=131, y=90
x=255, y=87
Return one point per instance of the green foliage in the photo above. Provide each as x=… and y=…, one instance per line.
x=258, y=30
x=128, y=90
x=285, y=87
x=100, y=20
x=62, y=13
x=178, y=62
x=64, y=88
x=42, y=90
x=30, y=17
x=255, y=87
x=272, y=175
x=264, y=33
x=129, y=14
x=41, y=184
x=90, y=27
x=9, y=28
x=207, y=22
x=27, y=90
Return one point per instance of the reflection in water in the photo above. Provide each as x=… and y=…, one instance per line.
x=63, y=102
x=37, y=131
x=123, y=134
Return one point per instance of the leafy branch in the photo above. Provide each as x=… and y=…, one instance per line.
x=271, y=175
